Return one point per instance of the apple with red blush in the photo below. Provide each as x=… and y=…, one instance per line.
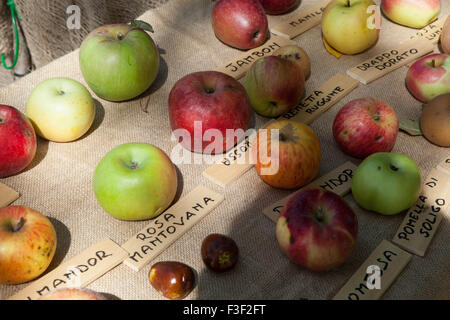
x=278, y=6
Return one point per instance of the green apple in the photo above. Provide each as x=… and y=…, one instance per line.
x=60, y=109
x=135, y=181
x=387, y=183
x=119, y=62
x=346, y=25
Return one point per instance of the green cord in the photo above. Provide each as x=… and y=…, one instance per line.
x=14, y=12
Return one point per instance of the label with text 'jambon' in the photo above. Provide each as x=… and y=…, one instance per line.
x=431, y=32
x=376, y=274
x=339, y=181
x=390, y=60
x=239, y=66
x=302, y=22
x=162, y=231
x=423, y=218
x=7, y=195
x=78, y=272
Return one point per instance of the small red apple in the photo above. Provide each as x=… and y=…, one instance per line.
x=17, y=141
x=240, y=23
x=27, y=244
x=365, y=126
x=445, y=36
x=214, y=101
x=317, y=229
x=278, y=6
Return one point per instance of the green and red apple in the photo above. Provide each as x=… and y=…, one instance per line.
x=60, y=109
x=411, y=13
x=135, y=181
x=17, y=141
x=445, y=36
x=317, y=229
x=386, y=183
x=119, y=61
x=346, y=27
x=27, y=244
x=296, y=54
x=274, y=85
x=429, y=77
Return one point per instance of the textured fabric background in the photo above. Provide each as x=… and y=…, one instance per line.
x=59, y=181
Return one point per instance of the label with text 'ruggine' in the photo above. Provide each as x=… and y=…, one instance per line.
x=78, y=272
x=7, y=195
x=162, y=231
x=339, y=181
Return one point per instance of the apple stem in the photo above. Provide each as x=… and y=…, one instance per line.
x=19, y=225
x=348, y=3
x=433, y=63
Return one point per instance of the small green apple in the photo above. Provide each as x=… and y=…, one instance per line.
x=387, y=183
x=135, y=181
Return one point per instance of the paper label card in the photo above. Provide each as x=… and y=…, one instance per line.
x=162, y=231
x=390, y=60
x=302, y=22
x=423, y=218
x=445, y=165
x=239, y=66
x=7, y=195
x=339, y=181
x=78, y=272
x=431, y=32
x=376, y=274
x=322, y=99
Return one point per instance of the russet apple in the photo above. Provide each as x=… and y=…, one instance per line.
x=27, y=244
x=345, y=26
x=241, y=24
x=298, y=55
x=411, y=13
x=119, y=61
x=295, y=162
x=73, y=294
x=135, y=181
x=435, y=120
x=17, y=141
x=278, y=6
x=445, y=36
x=274, y=85
x=365, y=126
x=429, y=77
x=206, y=101
x=387, y=183
x=317, y=229
x=60, y=109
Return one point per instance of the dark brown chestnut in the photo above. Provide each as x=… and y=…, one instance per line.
x=174, y=280
x=219, y=252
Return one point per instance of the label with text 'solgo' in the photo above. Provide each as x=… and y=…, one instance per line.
x=162, y=231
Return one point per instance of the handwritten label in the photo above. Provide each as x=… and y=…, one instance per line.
x=162, y=231
x=431, y=32
x=322, y=99
x=422, y=220
x=301, y=23
x=239, y=66
x=7, y=195
x=78, y=272
x=390, y=259
x=339, y=181
x=390, y=60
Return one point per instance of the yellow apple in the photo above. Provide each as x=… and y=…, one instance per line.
x=60, y=109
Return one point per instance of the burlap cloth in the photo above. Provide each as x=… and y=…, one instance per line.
x=59, y=181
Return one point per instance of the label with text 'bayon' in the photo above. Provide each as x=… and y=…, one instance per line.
x=431, y=32
x=78, y=272
x=162, y=231
x=339, y=181
x=389, y=260
x=239, y=66
x=311, y=107
x=301, y=23
x=390, y=60
x=422, y=220
x=7, y=195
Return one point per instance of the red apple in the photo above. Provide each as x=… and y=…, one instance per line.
x=295, y=162
x=215, y=102
x=240, y=23
x=278, y=6
x=73, y=294
x=445, y=36
x=27, y=244
x=365, y=126
x=17, y=141
x=429, y=77
x=317, y=229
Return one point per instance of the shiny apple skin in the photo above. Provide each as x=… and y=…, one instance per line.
x=278, y=6
x=174, y=280
x=219, y=252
